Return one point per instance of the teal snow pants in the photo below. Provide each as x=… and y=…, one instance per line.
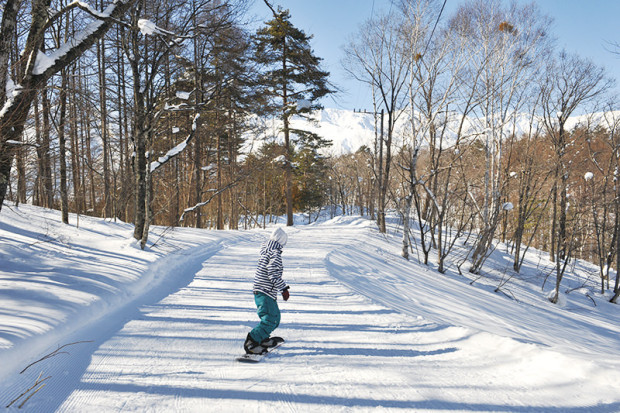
x=269, y=313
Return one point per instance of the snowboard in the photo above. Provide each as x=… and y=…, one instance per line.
x=255, y=358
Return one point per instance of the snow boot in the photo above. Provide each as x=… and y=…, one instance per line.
x=252, y=347
x=271, y=342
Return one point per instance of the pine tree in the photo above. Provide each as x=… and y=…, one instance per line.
x=293, y=79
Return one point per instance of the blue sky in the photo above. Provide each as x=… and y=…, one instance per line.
x=581, y=26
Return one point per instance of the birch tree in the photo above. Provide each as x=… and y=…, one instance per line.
x=377, y=57
x=417, y=31
x=611, y=126
x=505, y=45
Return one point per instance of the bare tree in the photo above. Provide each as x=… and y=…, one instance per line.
x=419, y=23
x=611, y=124
x=571, y=83
x=531, y=172
x=438, y=68
x=376, y=57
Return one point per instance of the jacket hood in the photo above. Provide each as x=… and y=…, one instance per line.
x=278, y=235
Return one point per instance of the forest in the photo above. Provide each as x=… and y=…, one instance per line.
x=158, y=113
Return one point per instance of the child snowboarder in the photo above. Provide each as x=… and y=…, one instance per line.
x=268, y=283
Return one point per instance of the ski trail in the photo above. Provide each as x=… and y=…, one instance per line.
x=343, y=351
x=177, y=354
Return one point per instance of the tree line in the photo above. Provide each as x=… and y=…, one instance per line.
x=159, y=113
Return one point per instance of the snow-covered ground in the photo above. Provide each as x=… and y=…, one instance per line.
x=158, y=330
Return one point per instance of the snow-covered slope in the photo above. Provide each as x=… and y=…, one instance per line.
x=347, y=130
x=158, y=330
x=350, y=130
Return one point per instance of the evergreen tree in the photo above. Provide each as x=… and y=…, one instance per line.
x=311, y=181
x=293, y=79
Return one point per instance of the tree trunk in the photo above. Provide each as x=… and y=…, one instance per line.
x=147, y=208
x=21, y=175
x=199, y=99
x=103, y=107
x=219, y=223
x=288, y=176
x=76, y=169
x=48, y=182
x=406, y=213
x=37, y=198
x=140, y=178
x=288, y=168
x=197, y=181
x=380, y=182
x=62, y=149
x=554, y=218
x=614, y=299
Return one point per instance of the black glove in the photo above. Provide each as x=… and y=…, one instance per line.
x=285, y=294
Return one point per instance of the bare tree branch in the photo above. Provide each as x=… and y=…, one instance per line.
x=36, y=383
x=271, y=8
x=53, y=353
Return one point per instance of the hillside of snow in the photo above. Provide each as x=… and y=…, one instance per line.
x=349, y=130
x=365, y=330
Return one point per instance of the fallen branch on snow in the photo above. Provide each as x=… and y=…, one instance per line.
x=53, y=353
x=36, y=383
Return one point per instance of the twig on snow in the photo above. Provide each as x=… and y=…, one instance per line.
x=36, y=383
x=54, y=353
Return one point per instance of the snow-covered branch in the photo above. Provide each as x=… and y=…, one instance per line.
x=18, y=143
x=208, y=201
x=46, y=66
x=73, y=5
x=155, y=165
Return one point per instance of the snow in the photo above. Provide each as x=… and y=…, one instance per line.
x=13, y=91
x=279, y=160
x=170, y=154
x=366, y=330
x=588, y=176
x=303, y=104
x=90, y=10
x=147, y=27
x=349, y=130
x=183, y=95
x=43, y=61
x=177, y=149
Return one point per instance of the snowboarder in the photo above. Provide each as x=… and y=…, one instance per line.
x=268, y=283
